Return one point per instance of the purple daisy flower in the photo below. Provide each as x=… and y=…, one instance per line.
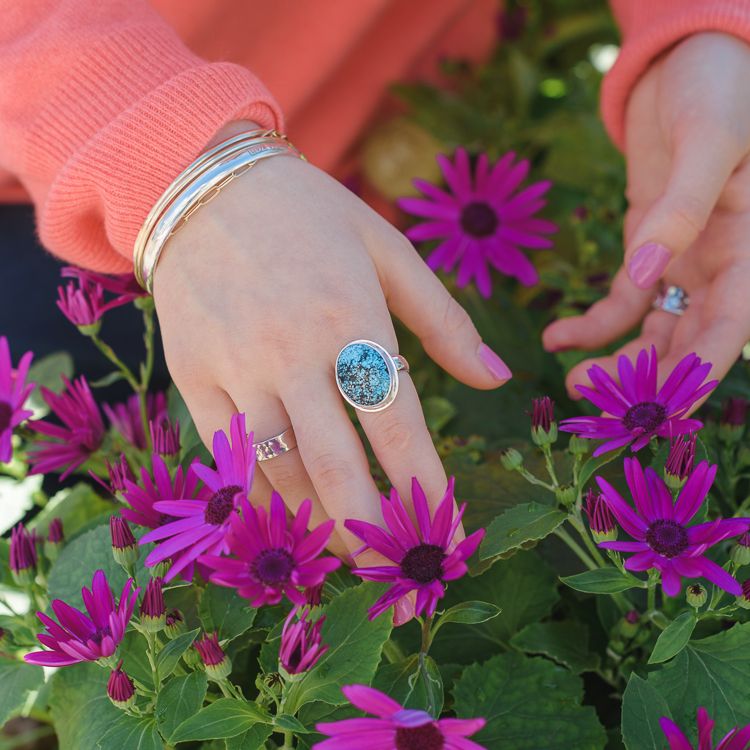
x=80, y=435
x=426, y=556
x=14, y=390
x=162, y=486
x=202, y=525
x=639, y=410
x=736, y=739
x=271, y=560
x=86, y=638
x=301, y=644
x=659, y=526
x=123, y=286
x=82, y=304
x=395, y=728
x=482, y=222
x=126, y=417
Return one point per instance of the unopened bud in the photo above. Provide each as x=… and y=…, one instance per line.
x=543, y=425
x=124, y=546
x=23, y=556
x=740, y=553
x=120, y=688
x=153, y=610
x=696, y=595
x=175, y=623
x=680, y=461
x=566, y=495
x=215, y=661
x=511, y=459
x=579, y=446
x=601, y=521
x=54, y=541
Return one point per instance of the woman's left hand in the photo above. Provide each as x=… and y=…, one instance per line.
x=688, y=224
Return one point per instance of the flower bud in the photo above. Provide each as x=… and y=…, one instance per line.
x=124, y=547
x=165, y=437
x=629, y=625
x=174, y=623
x=543, y=425
x=566, y=495
x=153, y=610
x=733, y=418
x=601, y=521
x=161, y=569
x=314, y=594
x=680, y=461
x=120, y=688
x=696, y=595
x=740, y=553
x=301, y=644
x=55, y=538
x=579, y=446
x=215, y=661
x=23, y=556
x=511, y=459
x=744, y=600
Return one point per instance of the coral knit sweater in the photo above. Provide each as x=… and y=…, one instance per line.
x=104, y=102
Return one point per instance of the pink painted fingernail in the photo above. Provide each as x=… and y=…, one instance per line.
x=500, y=371
x=648, y=263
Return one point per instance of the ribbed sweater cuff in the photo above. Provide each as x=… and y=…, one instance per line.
x=653, y=26
x=135, y=114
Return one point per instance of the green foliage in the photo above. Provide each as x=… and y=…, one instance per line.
x=17, y=680
x=75, y=506
x=602, y=581
x=170, y=655
x=132, y=733
x=566, y=642
x=674, y=638
x=226, y=717
x=529, y=704
x=223, y=610
x=179, y=699
x=48, y=372
x=414, y=682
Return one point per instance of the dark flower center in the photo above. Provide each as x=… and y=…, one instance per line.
x=423, y=563
x=668, y=538
x=646, y=416
x=479, y=219
x=426, y=737
x=221, y=505
x=5, y=415
x=101, y=633
x=272, y=566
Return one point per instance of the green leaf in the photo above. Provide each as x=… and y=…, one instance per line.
x=135, y=658
x=712, y=672
x=170, y=655
x=414, y=682
x=674, y=638
x=226, y=717
x=438, y=411
x=180, y=699
x=75, y=506
x=81, y=710
x=524, y=587
x=355, y=644
x=109, y=379
x=47, y=372
x=16, y=497
x=222, y=609
x=529, y=703
x=593, y=464
x=565, y=642
x=517, y=526
x=642, y=707
x=255, y=737
x=287, y=723
x=17, y=680
x=468, y=613
x=602, y=581
x=133, y=734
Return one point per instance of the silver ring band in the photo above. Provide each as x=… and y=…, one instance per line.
x=672, y=299
x=265, y=450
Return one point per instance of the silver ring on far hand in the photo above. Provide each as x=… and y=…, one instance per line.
x=265, y=450
x=672, y=299
x=367, y=375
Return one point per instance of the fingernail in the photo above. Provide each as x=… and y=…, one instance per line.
x=500, y=371
x=403, y=611
x=648, y=264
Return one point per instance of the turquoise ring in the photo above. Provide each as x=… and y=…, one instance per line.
x=367, y=375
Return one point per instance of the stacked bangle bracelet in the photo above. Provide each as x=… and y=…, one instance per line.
x=197, y=185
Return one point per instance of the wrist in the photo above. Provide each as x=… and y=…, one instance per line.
x=235, y=127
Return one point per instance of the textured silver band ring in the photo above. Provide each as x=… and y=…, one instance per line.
x=367, y=375
x=673, y=299
x=265, y=450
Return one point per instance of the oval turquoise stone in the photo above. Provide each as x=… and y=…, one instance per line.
x=363, y=374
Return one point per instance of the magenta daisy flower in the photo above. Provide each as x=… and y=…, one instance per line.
x=271, y=559
x=162, y=486
x=664, y=540
x=301, y=644
x=201, y=525
x=425, y=556
x=80, y=435
x=395, y=728
x=14, y=390
x=123, y=286
x=78, y=637
x=736, y=739
x=82, y=304
x=483, y=221
x=636, y=409
x=126, y=417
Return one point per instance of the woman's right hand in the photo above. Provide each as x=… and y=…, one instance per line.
x=257, y=294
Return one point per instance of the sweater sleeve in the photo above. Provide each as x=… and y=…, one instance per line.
x=101, y=106
x=649, y=28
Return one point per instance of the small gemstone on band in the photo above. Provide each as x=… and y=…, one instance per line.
x=363, y=374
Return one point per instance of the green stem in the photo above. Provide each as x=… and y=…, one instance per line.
x=288, y=741
x=576, y=522
x=576, y=548
x=109, y=353
x=550, y=465
x=392, y=652
x=426, y=635
x=151, y=640
x=651, y=598
x=531, y=479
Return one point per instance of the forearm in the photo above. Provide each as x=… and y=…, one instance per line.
x=101, y=106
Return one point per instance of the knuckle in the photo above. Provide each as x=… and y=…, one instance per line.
x=283, y=473
x=691, y=213
x=454, y=319
x=330, y=472
x=395, y=434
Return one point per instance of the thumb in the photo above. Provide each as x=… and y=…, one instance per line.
x=700, y=171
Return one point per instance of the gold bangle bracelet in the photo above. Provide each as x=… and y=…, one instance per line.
x=195, y=186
